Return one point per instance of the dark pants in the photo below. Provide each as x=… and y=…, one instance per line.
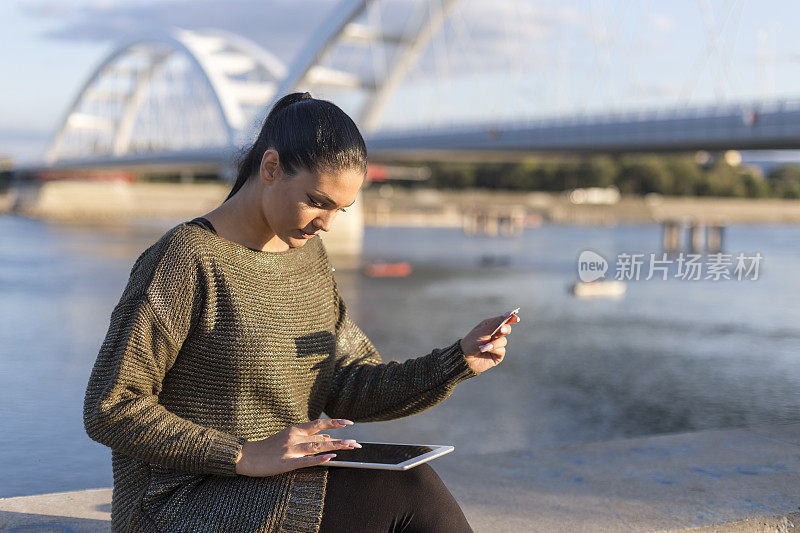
x=376, y=501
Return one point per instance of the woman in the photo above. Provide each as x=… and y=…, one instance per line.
x=229, y=341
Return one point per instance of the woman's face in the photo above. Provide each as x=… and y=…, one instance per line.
x=298, y=207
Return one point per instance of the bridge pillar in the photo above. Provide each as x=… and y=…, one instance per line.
x=697, y=236
x=671, y=235
x=511, y=223
x=505, y=221
x=346, y=237
x=704, y=235
x=716, y=235
x=491, y=224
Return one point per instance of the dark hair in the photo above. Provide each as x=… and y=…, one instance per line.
x=315, y=135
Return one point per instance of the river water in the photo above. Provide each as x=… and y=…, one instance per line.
x=670, y=356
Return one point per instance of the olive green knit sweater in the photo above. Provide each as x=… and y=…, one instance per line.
x=213, y=343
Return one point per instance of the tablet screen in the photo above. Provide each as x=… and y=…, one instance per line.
x=372, y=452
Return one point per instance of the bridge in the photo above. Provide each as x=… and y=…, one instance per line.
x=742, y=126
x=188, y=96
x=188, y=101
x=196, y=97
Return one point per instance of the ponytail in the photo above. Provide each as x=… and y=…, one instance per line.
x=307, y=133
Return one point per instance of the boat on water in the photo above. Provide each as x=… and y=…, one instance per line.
x=598, y=289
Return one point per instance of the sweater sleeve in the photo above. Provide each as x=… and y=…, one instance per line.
x=365, y=389
x=147, y=328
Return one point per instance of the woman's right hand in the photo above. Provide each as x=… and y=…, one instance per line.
x=292, y=448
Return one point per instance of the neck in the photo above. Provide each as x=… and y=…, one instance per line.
x=241, y=220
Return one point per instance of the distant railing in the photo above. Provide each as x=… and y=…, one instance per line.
x=628, y=116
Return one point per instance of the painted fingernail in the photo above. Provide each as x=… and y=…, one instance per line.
x=346, y=422
x=485, y=347
x=326, y=436
x=351, y=442
x=329, y=456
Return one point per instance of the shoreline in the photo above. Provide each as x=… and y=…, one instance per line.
x=112, y=202
x=442, y=208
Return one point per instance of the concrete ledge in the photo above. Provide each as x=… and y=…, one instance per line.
x=734, y=481
x=76, y=511
x=773, y=524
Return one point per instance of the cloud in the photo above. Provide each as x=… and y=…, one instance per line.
x=48, y=9
x=504, y=36
x=482, y=30
x=281, y=26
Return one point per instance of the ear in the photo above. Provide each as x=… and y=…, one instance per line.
x=268, y=170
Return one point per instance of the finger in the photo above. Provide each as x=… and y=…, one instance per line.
x=494, y=345
x=485, y=347
x=309, y=448
x=505, y=330
x=486, y=337
x=312, y=460
x=320, y=437
x=492, y=325
x=309, y=428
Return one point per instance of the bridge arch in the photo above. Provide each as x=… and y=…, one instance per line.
x=307, y=70
x=238, y=76
x=240, y=79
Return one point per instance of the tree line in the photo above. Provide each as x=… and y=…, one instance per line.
x=677, y=175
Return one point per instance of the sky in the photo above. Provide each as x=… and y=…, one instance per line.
x=492, y=60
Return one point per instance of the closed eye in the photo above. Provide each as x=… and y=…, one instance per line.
x=314, y=203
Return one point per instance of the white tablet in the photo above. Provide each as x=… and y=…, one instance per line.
x=386, y=455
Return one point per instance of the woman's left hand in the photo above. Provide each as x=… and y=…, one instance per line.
x=483, y=351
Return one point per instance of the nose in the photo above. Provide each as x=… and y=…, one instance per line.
x=324, y=222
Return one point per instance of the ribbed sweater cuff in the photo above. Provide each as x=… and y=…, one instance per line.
x=223, y=452
x=453, y=364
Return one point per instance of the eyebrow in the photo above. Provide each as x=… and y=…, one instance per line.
x=328, y=198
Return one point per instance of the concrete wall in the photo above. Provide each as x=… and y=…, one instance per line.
x=120, y=202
